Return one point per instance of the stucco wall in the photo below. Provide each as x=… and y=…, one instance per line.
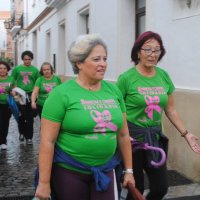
x=181, y=157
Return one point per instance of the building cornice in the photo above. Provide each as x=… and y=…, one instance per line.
x=55, y=3
x=40, y=17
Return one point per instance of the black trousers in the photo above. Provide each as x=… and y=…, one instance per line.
x=157, y=177
x=39, y=110
x=5, y=114
x=25, y=123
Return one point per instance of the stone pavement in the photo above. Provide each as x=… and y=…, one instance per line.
x=18, y=162
x=180, y=188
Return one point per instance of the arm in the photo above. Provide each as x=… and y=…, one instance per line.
x=126, y=152
x=48, y=135
x=34, y=97
x=175, y=119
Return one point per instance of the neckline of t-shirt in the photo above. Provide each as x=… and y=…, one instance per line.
x=27, y=66
x=146, y=77
x=49, y=79
x=93, y=91
x=4, y=78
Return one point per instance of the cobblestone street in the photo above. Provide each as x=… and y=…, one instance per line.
x=17, y=163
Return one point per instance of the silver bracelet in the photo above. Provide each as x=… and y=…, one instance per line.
x=128, y=171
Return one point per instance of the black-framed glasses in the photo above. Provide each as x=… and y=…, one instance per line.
x=150, y=51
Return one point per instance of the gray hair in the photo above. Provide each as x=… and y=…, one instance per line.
x=82, y=47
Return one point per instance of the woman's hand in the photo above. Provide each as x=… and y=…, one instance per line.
x=13, y=93
x=128, y=178
x=43, y=191
x=192, y=141
x=33, y=105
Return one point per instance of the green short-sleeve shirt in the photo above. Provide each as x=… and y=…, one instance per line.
x=5, y=88
x=25, y=77
x=90, y=120
x=45, y=87
x=145, y=97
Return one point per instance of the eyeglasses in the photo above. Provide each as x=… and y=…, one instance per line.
x=148, y=52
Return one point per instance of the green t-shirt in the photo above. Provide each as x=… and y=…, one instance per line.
x=145, y=97
x=45, y=86
x=90, y=120
x=25, y=77
x=5, y=87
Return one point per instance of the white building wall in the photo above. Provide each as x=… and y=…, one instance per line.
x=2, y=35
x=179, y=27
x=115, y=21
x=33, y=9
x=114, y=27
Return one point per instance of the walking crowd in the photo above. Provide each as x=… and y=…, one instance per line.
x=93, y=132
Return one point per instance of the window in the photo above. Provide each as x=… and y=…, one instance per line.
x=48, y=46
x=140, y=16
x=61, y=57
x=84, y=20
x=35, y=47
x=87, y=23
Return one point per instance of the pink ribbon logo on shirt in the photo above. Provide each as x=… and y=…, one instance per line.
x=2, y=90
x=48, y=88
x=26, y=79
x=152, y=104
x=103, y=121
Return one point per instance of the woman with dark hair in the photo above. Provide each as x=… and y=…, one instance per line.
x=43, y=86
x=148, y=91
x=25, y=76
x=6, y=84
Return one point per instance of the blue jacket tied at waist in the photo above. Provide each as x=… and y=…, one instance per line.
x=101, y=179
x=153, y=136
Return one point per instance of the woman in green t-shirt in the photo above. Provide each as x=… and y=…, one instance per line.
x=148, y=91
x=6, y=84
x=83, y=119
x=43, y=86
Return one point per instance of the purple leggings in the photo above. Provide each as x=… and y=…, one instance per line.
x=71, y=185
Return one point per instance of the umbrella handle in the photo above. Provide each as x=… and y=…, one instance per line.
x=161, y=151
x=145, y=146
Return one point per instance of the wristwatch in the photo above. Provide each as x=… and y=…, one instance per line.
x=128, y=171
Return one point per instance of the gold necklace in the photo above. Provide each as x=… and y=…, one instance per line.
x=91, y=88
